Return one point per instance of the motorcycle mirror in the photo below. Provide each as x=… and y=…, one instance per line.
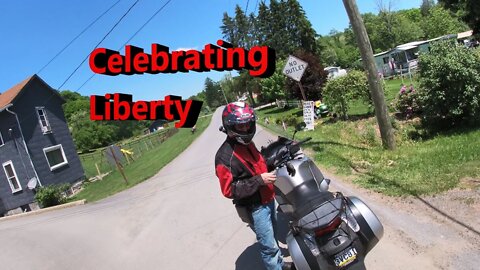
x=300, y=126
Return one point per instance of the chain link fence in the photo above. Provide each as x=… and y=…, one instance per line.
x=96, y=165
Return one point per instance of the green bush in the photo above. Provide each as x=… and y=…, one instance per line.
x=450, y=86
x=339, y=92
x=291, y=120
x=278, y=121
x=51, y=195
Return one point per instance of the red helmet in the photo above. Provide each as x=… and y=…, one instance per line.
x=239, y=119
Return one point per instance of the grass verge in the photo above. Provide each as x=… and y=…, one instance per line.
x=144, y=167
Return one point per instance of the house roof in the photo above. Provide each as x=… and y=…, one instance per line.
x=9, y=96
x=382, y=53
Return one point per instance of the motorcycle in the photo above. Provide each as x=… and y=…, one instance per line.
x=327, y=230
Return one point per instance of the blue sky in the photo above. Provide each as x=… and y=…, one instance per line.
x=32, y=32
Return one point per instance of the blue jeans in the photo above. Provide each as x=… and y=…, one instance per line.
x=264, y=225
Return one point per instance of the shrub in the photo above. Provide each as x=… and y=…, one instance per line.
x=51, y=195
x=291, y=120
x=406, y=101
x=450, y=86
x=339, y=92
x=278, y=121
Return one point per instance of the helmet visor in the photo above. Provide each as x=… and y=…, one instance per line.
x=244, y=128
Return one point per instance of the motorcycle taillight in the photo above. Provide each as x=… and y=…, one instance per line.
x=332, y=226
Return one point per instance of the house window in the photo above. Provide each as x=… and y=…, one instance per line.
x=42, y=117
x=55, y=156
x=11, y=176
x=1, y=139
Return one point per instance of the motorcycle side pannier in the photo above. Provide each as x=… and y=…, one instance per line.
x=371, y=229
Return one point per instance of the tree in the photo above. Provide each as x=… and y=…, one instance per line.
x=440, y=22
x=282, y=26
x=68, y=95
x=336, y=49
x=89, y=134
x=229, y=85
x=426, y=6
x=71, y=107
x=74, y=102
x=273, y=87
x=262, y=24
x=228, y=29
x=469, y=11
x=388, y=29
x=339, y=92
x=242, y=28
x=213, y=95
x=299, y=28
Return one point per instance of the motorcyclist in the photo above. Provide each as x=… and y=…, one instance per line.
x=244, y=178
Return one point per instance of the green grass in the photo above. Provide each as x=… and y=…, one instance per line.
x=144, y=167
x=420, y=164
x=89, y=160
x=392, y=87
x=415, y=167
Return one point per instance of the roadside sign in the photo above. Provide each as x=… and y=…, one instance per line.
x=308, y=114
x=114, y=155
x=295, y=68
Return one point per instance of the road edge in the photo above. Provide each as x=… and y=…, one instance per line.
x=43, y=210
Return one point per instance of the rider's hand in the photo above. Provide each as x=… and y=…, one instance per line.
x=268, y=178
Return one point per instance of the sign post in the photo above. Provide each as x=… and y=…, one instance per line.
x=309, y=114
x=294, y=69
x=115, y=156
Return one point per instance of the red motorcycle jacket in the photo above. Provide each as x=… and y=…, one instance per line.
x=238, y=167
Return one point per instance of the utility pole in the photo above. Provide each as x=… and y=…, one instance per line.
x=226, y=101
x=376, y=91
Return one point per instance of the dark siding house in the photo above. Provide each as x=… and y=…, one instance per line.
x=36, y=147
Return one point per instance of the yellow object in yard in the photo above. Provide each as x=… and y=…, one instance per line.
x=127, y=152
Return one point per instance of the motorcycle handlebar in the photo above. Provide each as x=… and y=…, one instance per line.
x=304, y=141
x=296, y=146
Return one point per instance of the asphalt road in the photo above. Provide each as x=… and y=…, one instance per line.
x=179, y=219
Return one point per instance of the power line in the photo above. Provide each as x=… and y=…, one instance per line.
x=246, y=7
x=83, y=31
x=114, y=26
x=140, y=29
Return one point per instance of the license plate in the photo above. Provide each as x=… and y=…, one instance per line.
x=345, y=257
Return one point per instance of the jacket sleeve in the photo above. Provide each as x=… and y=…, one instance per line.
x=237, y=189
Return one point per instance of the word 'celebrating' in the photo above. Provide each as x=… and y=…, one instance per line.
x=259, y=60
x=120, y=107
